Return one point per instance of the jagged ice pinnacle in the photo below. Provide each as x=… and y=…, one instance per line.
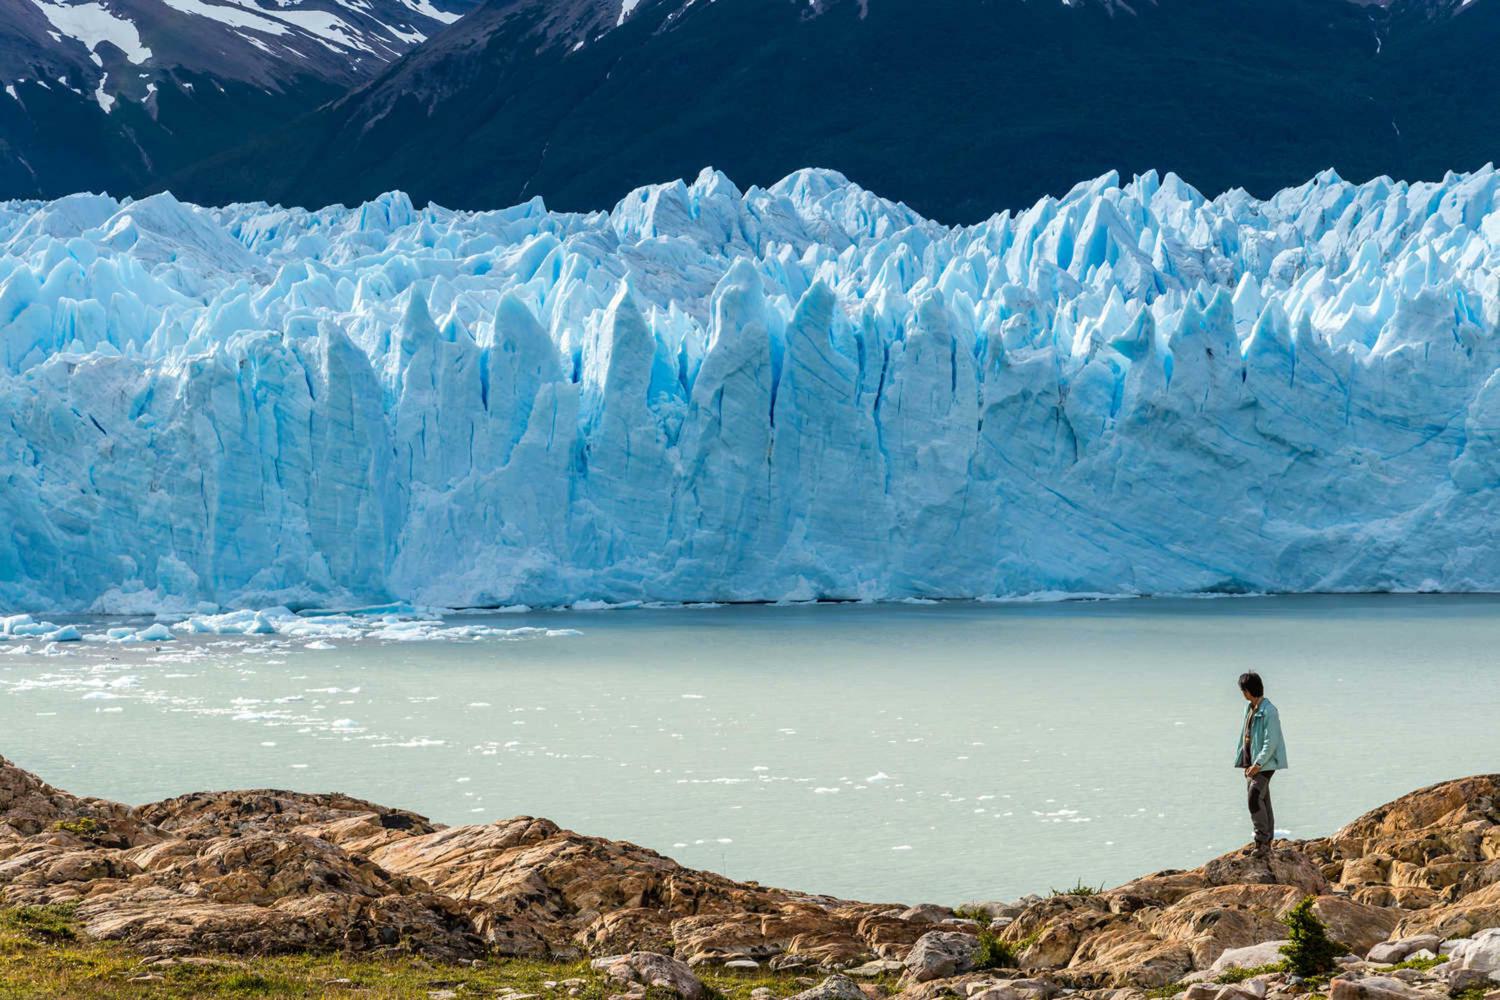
x=796, y=392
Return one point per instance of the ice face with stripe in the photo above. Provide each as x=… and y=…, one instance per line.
x=712, y=394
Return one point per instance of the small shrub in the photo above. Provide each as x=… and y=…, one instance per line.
x=1309, y=951
x=1240, y=975
x=83, y=826
x=974, y=913
x=1079, y=890
x=993, y=953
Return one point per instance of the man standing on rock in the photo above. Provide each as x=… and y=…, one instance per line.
x=1261, y=753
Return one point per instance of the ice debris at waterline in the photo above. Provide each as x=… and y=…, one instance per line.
x=787, y=393
x=394, y=625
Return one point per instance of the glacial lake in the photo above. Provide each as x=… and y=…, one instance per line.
x=942, y=752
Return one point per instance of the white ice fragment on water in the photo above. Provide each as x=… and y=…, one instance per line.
x=237, y=622
x=157, y=632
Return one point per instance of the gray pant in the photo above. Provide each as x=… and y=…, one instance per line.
x=1260, y=808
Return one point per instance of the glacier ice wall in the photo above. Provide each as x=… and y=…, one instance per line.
x=704, y=394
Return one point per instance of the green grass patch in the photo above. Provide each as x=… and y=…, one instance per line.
x=1250, y=972
x=1420, y=964
x=44, y=923
x=44, y=955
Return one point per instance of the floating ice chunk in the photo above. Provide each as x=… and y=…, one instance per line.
x=17, y=626
x=238, y=622
x=157, y=632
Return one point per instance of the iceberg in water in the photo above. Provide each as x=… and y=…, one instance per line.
x=787, y=393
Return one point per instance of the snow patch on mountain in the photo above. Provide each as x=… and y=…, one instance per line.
x=93, y=24
x=788, y=393
x=426, y=9
x=265, y=44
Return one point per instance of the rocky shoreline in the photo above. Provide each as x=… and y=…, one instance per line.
x=1410, y=890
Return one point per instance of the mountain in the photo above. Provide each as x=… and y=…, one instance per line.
x=713, y=394
x=958, y=107
x=115, y=94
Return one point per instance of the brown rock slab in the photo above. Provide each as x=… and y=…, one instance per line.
x=1373, y=988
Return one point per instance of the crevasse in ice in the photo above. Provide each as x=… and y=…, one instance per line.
x=796, y=392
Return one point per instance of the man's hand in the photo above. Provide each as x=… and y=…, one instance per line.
x=1252, y=770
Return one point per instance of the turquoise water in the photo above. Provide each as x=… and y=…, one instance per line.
x=941, y=752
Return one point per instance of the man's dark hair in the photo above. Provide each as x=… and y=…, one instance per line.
x=1251, y=685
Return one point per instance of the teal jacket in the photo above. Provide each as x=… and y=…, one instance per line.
x=1267, y=748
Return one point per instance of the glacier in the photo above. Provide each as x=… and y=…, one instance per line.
x=786, y=393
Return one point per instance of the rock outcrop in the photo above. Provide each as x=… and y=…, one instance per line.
x=274, y=871
x=1426, y=864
